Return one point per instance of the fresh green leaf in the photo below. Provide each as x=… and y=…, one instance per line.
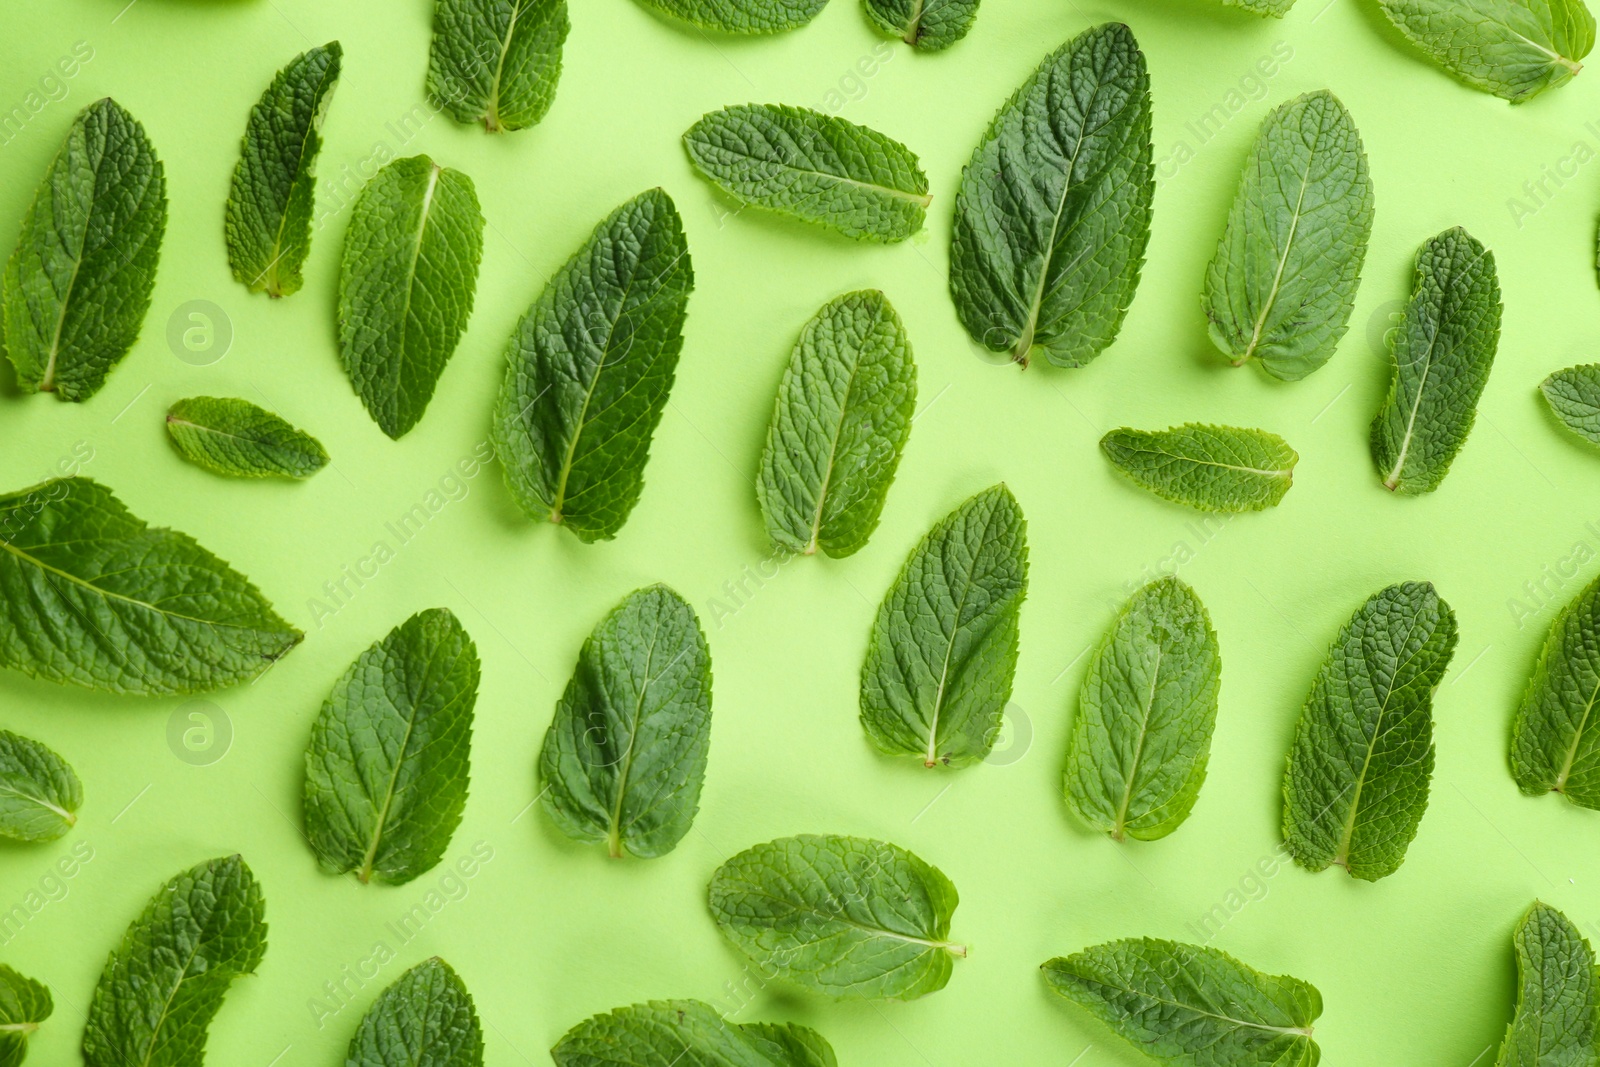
x=24, y=1005
x=840, y=915
x=1574, y=395
x=625, y=755
x=1282, y=283
x=1212, y=468
x=1357, y=780
x=1555, y=747
x=78, y=285
x=844, y=412
x=1273, y=8
x=268, y=218
x=943, y=650
x=927, y=25
x=741, y=16
x=1554, y=1025
x=166, y=981
x=1515, y=49
x=589, y=369
x=237, y=438
x=1053, y=214
x=1442, y=355
x=90, y=595
x=39, y=794
x=406, y=285
x=1191, y=1005
x=386, y=769
x=425, y=1019
x=814, y=167
x=687, y=1033
x=497, y=61
x=1145, y=716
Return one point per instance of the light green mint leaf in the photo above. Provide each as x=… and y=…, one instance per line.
x=166, y=981
x=1282, y=283
x=927, y=25
x=1442, y=354
x=625, y=755
x=94, y=597
x=1554, y=1024
x=268, y=218
x=1357, y=780
x=237, y=438
x=1555, y=738
x=1515, y=49
x=1211, y=468
x=840, y=915
x=1273, y=8
x=943, y=650
x=844, y=412
x=425, y=1019
x=406, y=285
x=1145, y=716
x=589, y=368
x=1053, y=213
x=1574, y=395
x=39, y=794
x=1191, y=1005
x=687, y=1033
x=24, y=1005
x=386, y=769
x=814, y=167
x=497, y=61
x=741, y=16
x=78, y=285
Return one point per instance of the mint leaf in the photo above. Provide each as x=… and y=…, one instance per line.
x=78, y=285
x=425, y=1019
x=1555, y=738
x=1554, y=1024
x=844, y=412
x=741, y=16
x=165, y=982
x=1515, y=49
x=1574, y=395
x=1145, y=716
x=589, y=368
x=1357, y=780
x=406, y=285
x=90, y=595
x=1282, y=283
x=927, y=25
x=1211, y=468
x=839, y=915
x=386, y=769
x=1273, y=8
x=24, y=1004
x=267, y=222
x=625, y=755
x=687, y=1033
x=813, y=167
x=497, y=61
x=1053, y=214
x=943, y=650
x=235, y=437
x=39, y=794
x=1190, y=1005
x=1442, y=355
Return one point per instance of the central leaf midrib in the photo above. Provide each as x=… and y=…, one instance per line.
x=931, y=757
x=833, y=444
x=1288, y=246
x=1296, y=1032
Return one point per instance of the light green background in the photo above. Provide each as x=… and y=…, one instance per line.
x=1416, y=969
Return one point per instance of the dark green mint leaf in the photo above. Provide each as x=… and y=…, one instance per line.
x=386, y=769
x=24, y=1005
x=78, y=285
x=687, y=1033
x=1554, y=1025
x=497, y=61
x=1555, y=739
x=1212, y=468
x=1574, y=395
x=589, y=368
x=39, y=794
x=927, y=25
x=425, y=1019
x=741, y=16
x=1515, y=49
x=235, y=437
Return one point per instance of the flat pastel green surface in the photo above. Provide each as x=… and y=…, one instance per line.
x=1416, y=969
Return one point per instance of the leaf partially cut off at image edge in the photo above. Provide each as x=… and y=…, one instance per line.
x=1555, y=737
x=1515, y=49
x=741, y=16
x=1574, y=397
x=1554, y=1021
x=497, y=61
x=690, y=1031
x=39, y=792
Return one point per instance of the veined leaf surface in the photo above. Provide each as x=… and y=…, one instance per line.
x=1211, y=468
x=1554, y=1024
x=425, y=1019
x=687, y=1033
x=1574, y=396
x=24, y=1005
x=741, y=16
x=236, y=438
x=39, y=793
x=1555, y=738
x=497, y=61
x=926, y=25
x=1515, y=49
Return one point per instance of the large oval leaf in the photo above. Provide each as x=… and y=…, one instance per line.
x=687, y=1033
